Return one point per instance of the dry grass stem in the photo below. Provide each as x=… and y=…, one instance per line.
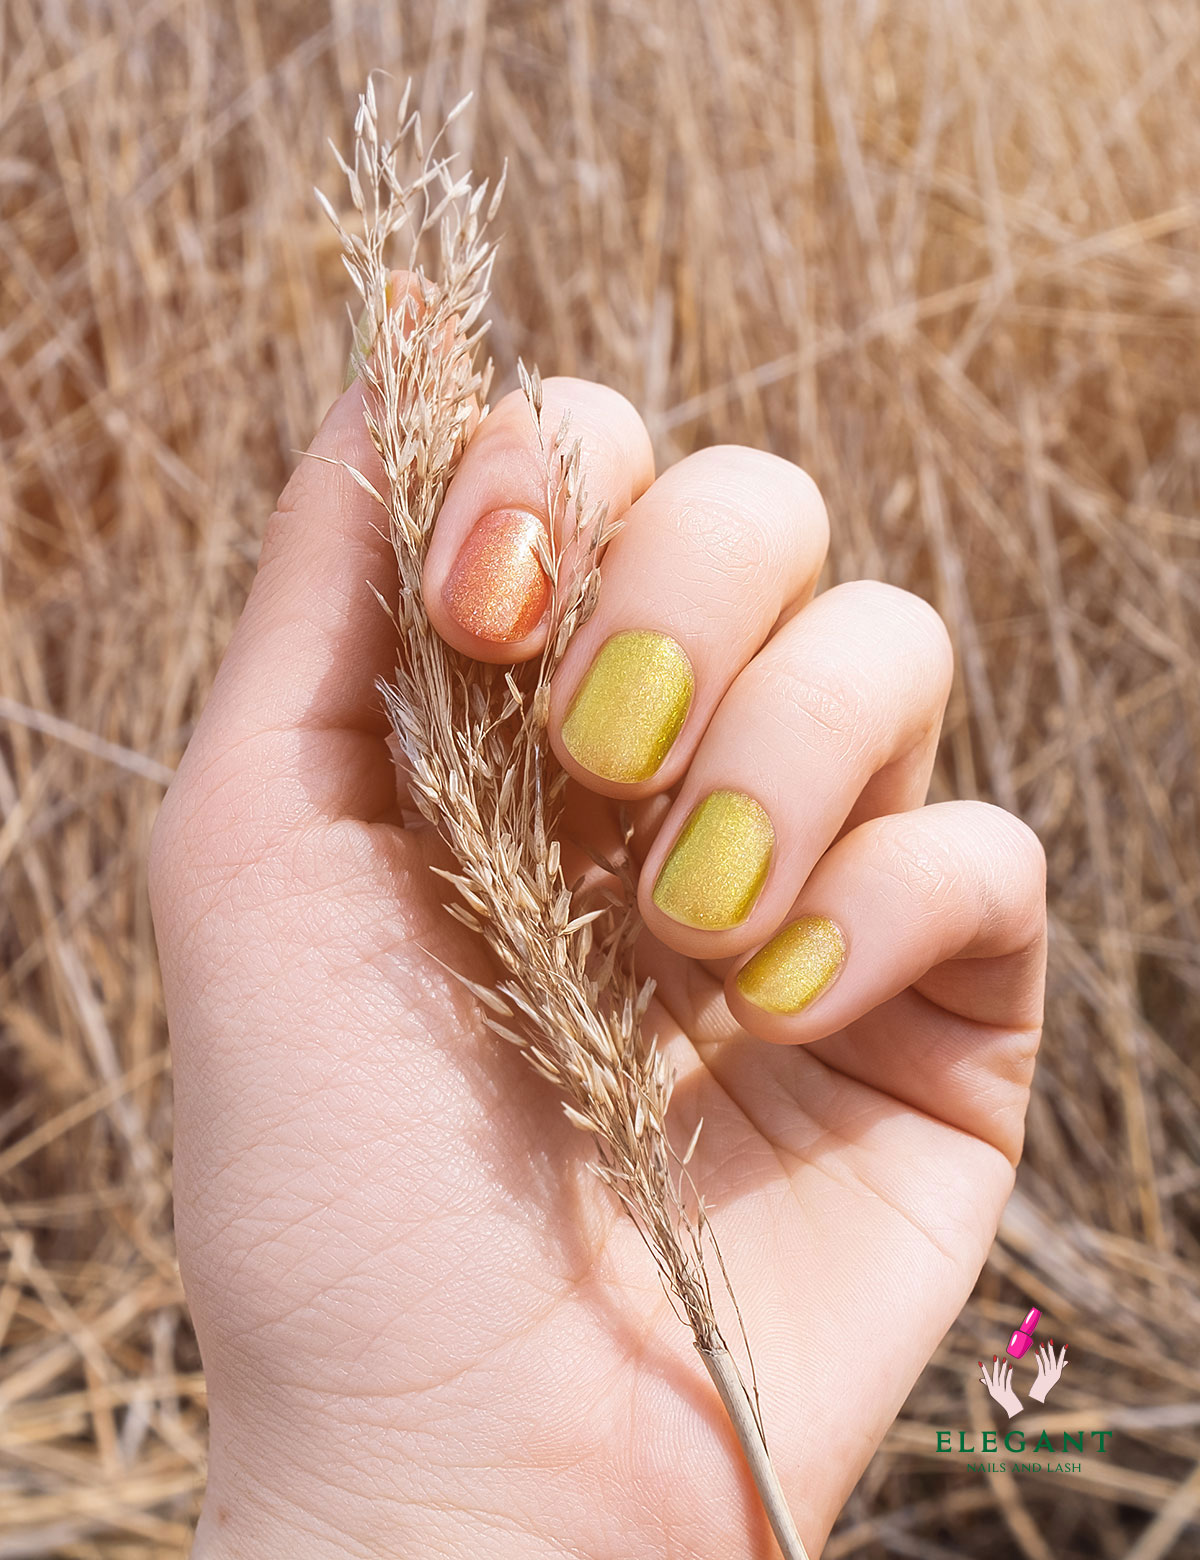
x=473, y=736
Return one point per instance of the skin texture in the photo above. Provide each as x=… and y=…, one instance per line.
x=427, y=1330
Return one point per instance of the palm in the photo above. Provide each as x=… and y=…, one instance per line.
x=420, y=1252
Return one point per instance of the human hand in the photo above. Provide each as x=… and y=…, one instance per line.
x=426, y=1327
x=1049, y=1369
x=999, y=1385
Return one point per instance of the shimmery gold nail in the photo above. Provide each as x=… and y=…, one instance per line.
x=497, y=589
x=719, y=863
x=630, y=707
x=795, y=967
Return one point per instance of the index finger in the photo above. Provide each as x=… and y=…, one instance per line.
x=485, y=590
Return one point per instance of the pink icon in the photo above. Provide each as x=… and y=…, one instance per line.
x=1019, y=1343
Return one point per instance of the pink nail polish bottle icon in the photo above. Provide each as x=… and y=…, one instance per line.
x=1019, y=1343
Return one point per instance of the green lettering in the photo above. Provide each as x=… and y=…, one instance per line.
x=1100, y=1434
x=1076, y=1443
x=944, y=1436
x=1043, y=1442
x=1008, y=1440
x=989, y=1440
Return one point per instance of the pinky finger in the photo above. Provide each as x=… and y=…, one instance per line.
x=914, y=960
x=929, y=898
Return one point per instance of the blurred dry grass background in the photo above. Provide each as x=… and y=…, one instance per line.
x=944, y=253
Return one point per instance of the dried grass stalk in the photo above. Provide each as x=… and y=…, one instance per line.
x=474, y=736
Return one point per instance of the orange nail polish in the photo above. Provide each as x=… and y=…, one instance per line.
x=497, y=589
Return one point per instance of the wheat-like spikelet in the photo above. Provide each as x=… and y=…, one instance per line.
x=473, y=736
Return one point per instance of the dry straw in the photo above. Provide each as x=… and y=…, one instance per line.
x=945, y=254
x=473, y=737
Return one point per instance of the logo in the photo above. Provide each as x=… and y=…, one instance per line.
x=999, y=1381
x=1049, y=1367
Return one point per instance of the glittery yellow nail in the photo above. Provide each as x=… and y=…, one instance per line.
x=795, y=967
x=719, y=863
x=630, y=707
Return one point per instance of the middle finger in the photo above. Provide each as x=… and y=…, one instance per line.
x=692, y=585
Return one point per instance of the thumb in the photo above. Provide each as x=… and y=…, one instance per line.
x=295, y=694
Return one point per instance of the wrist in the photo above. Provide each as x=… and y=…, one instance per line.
x=278, y=1493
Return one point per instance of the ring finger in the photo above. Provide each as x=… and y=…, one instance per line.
x=835, y=721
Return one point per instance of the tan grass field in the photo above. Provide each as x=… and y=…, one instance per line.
x=943, y=253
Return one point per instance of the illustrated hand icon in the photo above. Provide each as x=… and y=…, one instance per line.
x=999, y=1385
x=1049, y=1370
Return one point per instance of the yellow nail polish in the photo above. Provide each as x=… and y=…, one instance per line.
x=719, y=863
x=630, y=707
x=795, y=967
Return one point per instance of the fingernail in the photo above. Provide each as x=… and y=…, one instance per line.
x=497, y=588
x=795, y=967
x=719, y=863
x=630, y=707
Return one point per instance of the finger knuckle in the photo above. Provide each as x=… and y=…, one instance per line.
x=828, y=712
x=322, y=486
x=908, y=620
x=766, y=501
x=1003, y=865
x=570, y=389
x=757, y=473
x=922, y=861
x=604, y=410
x=1028, y=849
x=1012, y=841
x=282, y=518
x=731, y=546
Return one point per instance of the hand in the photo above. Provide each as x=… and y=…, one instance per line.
x=999, y=1385
x=1049, y=1369
x=426, y=1327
